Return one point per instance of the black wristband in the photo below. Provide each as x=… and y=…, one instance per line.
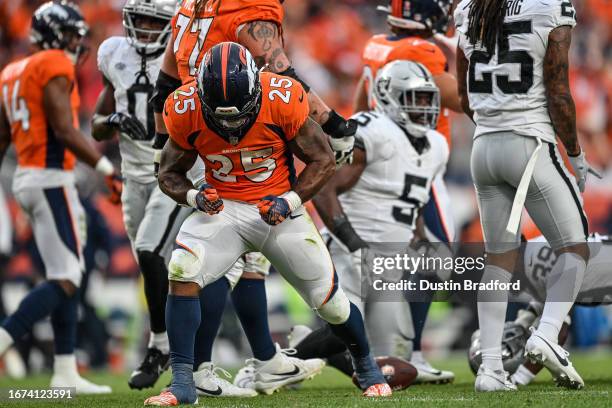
x=334, y=125
x=160, y=140
x=345, y=232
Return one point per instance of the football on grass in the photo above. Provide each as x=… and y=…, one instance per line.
x=398, y=372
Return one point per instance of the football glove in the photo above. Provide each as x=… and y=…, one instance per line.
x=128, y=125
x=207, y=200
x=342, y=137
x=158, y=144
x=581, y=169
x=114, y=183
x=273, y=210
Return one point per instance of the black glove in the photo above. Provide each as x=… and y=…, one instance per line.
x=128, y=125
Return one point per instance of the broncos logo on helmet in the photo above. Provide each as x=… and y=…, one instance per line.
x=419, y=14
x=230, y=91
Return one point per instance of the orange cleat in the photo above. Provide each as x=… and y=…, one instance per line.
x=165, y=399
x=378, y=390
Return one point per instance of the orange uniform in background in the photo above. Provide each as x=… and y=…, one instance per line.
x=217, y=21
x=22, y=85
x=260, y=163
x=382, y=49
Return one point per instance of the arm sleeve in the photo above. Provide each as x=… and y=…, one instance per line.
x=104, y=54
x=364, y=139
x=176, y=124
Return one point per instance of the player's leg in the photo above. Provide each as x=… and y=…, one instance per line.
x=554, y=203
x=152, y=220
x=298, y=252
x=495, y=199
x=58, y=224
x=207, y=247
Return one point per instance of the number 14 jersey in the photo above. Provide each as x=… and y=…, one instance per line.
x=506, y=88
x=260, y=163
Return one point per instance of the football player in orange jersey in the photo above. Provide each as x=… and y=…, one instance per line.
x=256, y=24
x=38, y=114
x=413, y=25
x=247, y=126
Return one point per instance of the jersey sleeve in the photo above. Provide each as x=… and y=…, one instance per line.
x=105, y=52
x=263, y=10
x=178, y=117
x=555, y=13
x=290, y=104
x=55, y=64
x=366, y=138
x=425, y=52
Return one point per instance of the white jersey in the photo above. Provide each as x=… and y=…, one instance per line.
x=596, y=287
x=383, y=206
x=506, y=90
x=121, y=64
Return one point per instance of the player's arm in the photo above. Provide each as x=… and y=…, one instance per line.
x=263, y=39
x=462, y=69
x=173, y=167
x=360, y=103
x=449, y=94
x=5, y=133
x=105, y=121
x=58, y=111
x=329, y=208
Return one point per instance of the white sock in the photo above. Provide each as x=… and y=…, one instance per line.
x=65, y=364
x=417, y=357
x=491, y=317
x=523, y=376
x=6, y=340
x=562, y=286
x=160, y=342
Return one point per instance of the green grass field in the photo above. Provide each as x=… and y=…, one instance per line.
x=331, y=389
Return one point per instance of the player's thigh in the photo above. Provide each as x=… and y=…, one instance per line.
x=134, y=199
x=438, y=212
x=162, y=220
x=59, y=227
x=298, y=252
x=554, y=201
x=207, y=246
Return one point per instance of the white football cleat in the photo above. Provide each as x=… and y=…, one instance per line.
x=81, y=385
x=555, y=358
x=209, y=384
x=283, y=370
x=426, y=374
x=245, y=377
x=297, y=334
x=488, y=380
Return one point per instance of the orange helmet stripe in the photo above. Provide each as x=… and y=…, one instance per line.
x=224, y=56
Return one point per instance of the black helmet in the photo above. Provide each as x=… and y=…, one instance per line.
x=230, y=91
x=55, y=23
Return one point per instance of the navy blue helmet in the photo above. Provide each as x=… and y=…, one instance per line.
x=419, y=14
x=230, y=91
x=55, y=26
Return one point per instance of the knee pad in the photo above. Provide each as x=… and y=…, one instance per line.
x=186, y=264
x=151, y=263
x=337, y=309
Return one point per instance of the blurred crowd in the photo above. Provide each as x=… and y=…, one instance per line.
x=325, y=40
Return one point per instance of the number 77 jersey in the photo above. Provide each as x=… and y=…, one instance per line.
x=506, y=88
x=258, y=164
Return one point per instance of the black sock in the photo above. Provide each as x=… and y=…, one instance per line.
x=342, y=362
x=353, y=335
x=64, y=323
x=212, y=303
x=155, y=277
x=320, y=343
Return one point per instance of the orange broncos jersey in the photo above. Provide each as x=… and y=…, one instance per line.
x=382, y=49
x=216, y=22
x=22, y=83
x=260, y=163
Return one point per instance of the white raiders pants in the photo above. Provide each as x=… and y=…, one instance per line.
x=152, y=220
x=211, y=244
x=59, y=226
x=553, y=200
x=388, y=324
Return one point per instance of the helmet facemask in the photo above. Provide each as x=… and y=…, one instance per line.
x=410, y=100
x=147, y=26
